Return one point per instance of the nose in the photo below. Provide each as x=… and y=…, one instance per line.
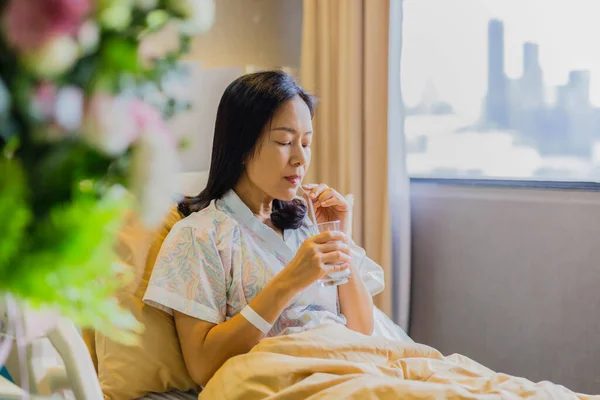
x=299, y=157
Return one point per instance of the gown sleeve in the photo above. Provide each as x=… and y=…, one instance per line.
x=370, y=272
x=193, y=272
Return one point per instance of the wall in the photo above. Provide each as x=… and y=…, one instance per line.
x=257, y=32
x=510, y=278
x=246, y=33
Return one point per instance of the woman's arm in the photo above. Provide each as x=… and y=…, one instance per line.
x=356, y=304
x=206, y=346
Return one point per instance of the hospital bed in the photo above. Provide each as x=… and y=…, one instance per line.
x=60, y=361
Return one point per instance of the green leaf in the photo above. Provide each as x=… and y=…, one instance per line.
x=68, y=263
x=59, y=167
x=14, y=212
x=120, y=55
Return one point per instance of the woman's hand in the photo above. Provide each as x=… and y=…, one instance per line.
x=329, y=205
x=317, y=257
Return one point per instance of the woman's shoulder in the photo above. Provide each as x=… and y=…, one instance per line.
x=208, y=222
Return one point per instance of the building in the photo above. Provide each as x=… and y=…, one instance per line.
x=497, y=94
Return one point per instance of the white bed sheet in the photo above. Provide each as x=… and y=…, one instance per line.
x=386, y=328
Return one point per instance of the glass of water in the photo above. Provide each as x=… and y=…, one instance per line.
x=334, y=278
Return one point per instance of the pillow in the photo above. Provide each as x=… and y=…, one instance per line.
x=156, y=363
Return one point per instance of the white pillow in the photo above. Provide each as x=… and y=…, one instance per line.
x=192, y=183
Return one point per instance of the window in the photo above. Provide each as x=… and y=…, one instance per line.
x=502, y=89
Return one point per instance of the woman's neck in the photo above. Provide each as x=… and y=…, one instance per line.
x=255, y=199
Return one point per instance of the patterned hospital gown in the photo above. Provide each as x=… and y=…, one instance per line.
x=213, y=263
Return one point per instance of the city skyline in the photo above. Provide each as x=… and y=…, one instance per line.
x=568, y=126
x=452, y=52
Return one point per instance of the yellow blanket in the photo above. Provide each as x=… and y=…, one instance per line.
x=332, y=362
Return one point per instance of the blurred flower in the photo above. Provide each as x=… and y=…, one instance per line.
x=198, y=15
x=108, y=124
x=68, y=111
x=147, y=117
x=43, y=101
x=153, y=180
x=55, y=57
x=159, y=44
x=88, y=36
x=154, y=167
x=156, y=19
x=146, y=4
x=29, y=24
x=115, y=14
x=60, y=110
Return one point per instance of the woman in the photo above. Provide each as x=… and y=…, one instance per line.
x=243, y=263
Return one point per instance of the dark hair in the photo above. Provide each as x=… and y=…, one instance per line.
x=246, y=107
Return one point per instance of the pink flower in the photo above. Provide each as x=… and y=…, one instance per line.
x=109, y=124
x=149, y=119
x=30, y=23
x=44, y=100
x=60, y=110
x=112, y=125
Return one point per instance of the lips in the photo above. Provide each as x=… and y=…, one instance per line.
x=293, y=179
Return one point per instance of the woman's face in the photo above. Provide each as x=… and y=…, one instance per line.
x=283, y=153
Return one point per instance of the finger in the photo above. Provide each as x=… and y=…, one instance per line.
x=335, y=257
x=333, y=199
x=335, y=268
x=334, y=246
x=316, y=191
x=325, y=237
x=326, y=195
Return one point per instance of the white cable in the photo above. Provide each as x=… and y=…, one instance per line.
x=256, y=320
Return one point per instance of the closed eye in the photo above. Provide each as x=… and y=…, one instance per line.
x=284, y=143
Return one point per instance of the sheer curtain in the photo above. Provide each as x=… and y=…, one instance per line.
x=399, y=183
x=346, y=62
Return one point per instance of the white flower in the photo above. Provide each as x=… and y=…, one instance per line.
x=55, y=57
x=88, y=37
x=68, y=110
x=198, y=15
x=115, y=14
x=109, y=124
x=154, y=172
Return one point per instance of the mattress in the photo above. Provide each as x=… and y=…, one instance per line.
x=174, y=395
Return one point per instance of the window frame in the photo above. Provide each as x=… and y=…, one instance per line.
x=588, y=186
